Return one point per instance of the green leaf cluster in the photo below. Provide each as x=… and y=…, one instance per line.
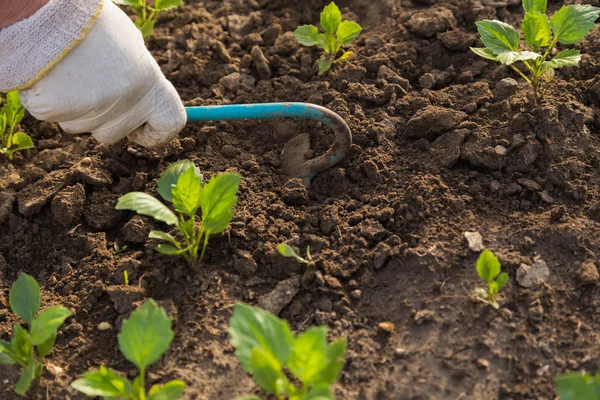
x=337, y=33
x=143, y=339
x=182, y=184
x=11, y=114
x=270, y=352
x=287, y=251
x=489, y=269
x=25, y=299
x=147, y=14
x=567, y=26
x=578, y=386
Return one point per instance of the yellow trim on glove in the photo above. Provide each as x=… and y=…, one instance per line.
x=44, y=71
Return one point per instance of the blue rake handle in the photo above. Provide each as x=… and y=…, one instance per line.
x=293, y=159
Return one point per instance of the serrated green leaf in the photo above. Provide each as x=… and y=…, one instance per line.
x=24, y=298
x=336, y=354
x=146, y=335
x=498, y=36
x=577, y=386
x=309, y=355
x=45, y=348
x=169, y=391
x=348, y=31
x=161, y=5
x=145, y=204
x=252, y=327
x=485, y=53
x=267, y=370
x=320, y=392
x=307, y=35
x=217, y=200
x=47, y=323
x=488, y=266
x=20, y=141
x=186, y=194
x=104, y=382
x=168, y=179
x=13, y=109
x=325, y=64
x=536, y=29
x=27, y=378
x=572, y=23
x=163, y=236
x=535, y=5
x=331, y=18
x=21, y=344
x=566, y=58
x=511, y=57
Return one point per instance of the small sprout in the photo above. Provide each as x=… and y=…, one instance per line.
x=567, y=26
x=144, y=338
x=126, y=277
x=287, y=251
x=488, y=269
x=182, y=185
x=11, y=114
x=118, y=249
x=337, y=33
x=272, y=354
x=578, y=386
x=147, y=15
x=24, y=299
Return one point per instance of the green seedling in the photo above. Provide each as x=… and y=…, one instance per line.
x=126, y=277
x=567, y=26
x=488, y=269
x=578, y=386
x=144, y=338
x=337, y=33
x=146, y=15
x=39, y=337
x=11, y=114
x=271, y=353
x=287, y=251
x=118, y=249
x=182, y=185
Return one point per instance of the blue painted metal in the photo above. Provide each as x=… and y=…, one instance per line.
x=293, y=161
x=257, y=111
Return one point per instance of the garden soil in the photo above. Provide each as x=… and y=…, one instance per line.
x=444, y=143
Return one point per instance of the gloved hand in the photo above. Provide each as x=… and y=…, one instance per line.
x=107, y=83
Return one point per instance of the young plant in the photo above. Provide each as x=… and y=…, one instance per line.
x=337, y=33
x=488, y=269
x=182, y=185
x=268, y=350
x=578, y=386
x=144, y=338
x=11, y=114
x=287, y=251
x=24, y=298
x=567, y=26
x=147, y=14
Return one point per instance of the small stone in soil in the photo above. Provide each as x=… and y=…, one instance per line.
x=386, y=327
x=588, y=273
x=532, y=276
x=281, y=296
x=475, y=241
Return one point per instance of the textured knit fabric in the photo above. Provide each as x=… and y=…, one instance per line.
x=30, y=48
x=109, y=85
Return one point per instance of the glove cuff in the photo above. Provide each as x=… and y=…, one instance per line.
x=29, y=49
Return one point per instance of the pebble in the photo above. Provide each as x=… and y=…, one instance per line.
x=532, y=276
x=501, y=150
x=386, y=327
x=475, y=241
x=104, y=326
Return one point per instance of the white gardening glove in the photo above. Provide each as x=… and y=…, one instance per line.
x=107, y=83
